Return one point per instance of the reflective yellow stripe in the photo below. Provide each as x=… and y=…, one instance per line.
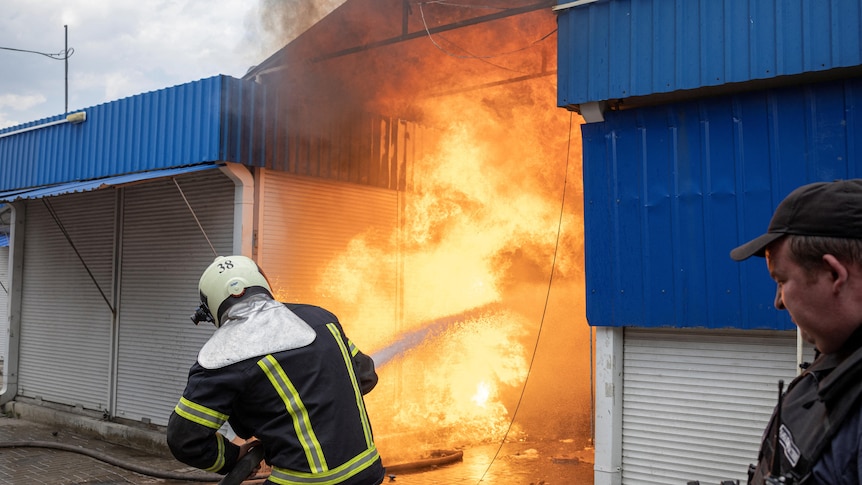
x=219, y=463
x=201, y=415
x=360, y=404
x=353, y=349
x=283, y=476
x=296, y=408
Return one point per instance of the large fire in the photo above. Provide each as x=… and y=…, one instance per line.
x=478, y=247
x=491, y=244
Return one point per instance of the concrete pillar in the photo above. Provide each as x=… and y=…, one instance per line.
x=609, y=406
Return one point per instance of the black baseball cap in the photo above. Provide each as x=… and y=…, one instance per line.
x=829, y=209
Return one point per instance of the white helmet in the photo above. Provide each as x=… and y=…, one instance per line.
x=226, y=277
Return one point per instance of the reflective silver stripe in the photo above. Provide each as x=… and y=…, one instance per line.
x=283, y=476
x=201, y=415
x=219, y=463
x=360, y=404
x=296, y=408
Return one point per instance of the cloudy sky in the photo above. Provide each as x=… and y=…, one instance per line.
x=123, y=48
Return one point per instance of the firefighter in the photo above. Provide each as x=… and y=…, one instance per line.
x=283, y=374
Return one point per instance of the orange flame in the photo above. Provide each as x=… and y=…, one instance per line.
x=479, y=229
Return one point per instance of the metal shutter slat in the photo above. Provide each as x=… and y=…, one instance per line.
x=65, y=323
x=164, y=254
x=695, y=402
x=308, y=222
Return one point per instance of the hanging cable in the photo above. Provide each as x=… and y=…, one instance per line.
x=194, y=215
x=544, y=310
x=81, y=258
x=466, y=5
x=471, y=55
x=60, y=56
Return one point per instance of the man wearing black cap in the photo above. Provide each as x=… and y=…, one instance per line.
x=813, y=250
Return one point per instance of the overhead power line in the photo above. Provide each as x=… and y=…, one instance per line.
x=59, y=56
x=63, y=55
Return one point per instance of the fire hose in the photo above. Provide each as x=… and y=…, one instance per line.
x=240, y=474
x=127, y=465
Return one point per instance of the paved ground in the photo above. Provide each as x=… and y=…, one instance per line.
x=552, y=463
x=26, y=465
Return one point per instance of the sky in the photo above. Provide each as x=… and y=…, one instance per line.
x=125, y=47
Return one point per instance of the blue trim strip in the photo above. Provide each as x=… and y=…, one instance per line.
x=88, y=185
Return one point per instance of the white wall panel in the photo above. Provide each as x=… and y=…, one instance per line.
x=4, y=302
x=164, y=254
x=65, y=322
x=309, y=222
x=695, y=403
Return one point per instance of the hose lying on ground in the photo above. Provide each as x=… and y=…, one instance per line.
x=441, y=459
x=192, y=477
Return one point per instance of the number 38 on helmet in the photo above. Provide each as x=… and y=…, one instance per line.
x=228, y=277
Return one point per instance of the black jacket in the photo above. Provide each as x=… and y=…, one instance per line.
x=305, y=405
x=819, y=430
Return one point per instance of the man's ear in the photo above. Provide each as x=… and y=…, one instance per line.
x=838, y=270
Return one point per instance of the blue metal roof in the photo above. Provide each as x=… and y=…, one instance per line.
x=205, y=121
x=4, y=240
x=617, y=49
x=88, y=185
x=670, y=190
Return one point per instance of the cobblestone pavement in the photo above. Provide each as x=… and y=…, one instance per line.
x=553, y=463
x=25, y=465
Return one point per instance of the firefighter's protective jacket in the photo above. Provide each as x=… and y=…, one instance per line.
x=304, y=404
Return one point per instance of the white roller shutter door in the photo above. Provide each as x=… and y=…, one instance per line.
x=307, y=222
x=164, y=254
x=65, y=322
x=695, y=403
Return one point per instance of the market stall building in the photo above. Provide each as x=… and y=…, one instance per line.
x=114, y=210
x=700, y=118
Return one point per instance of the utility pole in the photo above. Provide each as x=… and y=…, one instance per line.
x=58, y=56
x=66, y=60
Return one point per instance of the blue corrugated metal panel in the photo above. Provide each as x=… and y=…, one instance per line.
x=244, y=122
x=172, y=127
x=670, y=190
x=615, y=49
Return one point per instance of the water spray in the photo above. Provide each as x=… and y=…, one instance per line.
x=427, y=330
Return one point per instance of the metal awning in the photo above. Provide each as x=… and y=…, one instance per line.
x=88, y=185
